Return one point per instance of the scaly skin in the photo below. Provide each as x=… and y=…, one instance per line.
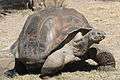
x=102, y=56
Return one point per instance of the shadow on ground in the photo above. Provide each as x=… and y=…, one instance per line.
x=71, y=67
x=79, y=66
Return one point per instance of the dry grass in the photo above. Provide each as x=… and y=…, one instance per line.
x=101, y=15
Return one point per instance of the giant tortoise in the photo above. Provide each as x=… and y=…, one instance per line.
x=54, y=37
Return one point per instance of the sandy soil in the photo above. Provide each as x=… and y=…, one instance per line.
x=101, y=15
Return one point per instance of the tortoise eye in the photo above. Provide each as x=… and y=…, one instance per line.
x=98, y=33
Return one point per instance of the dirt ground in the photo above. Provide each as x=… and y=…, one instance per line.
x=101, y=15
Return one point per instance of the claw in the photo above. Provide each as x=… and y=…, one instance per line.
x=10, y=73
x=77, y=59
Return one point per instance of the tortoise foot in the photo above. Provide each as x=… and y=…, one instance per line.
x=10, y=73
x=106, y=61
x=105, y=68
x=44, y=77
x=102, y=56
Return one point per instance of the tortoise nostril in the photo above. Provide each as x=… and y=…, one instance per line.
x=102, y=33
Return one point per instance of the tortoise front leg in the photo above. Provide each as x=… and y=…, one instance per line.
x=52, y=65
x=103, y=57
x=56, y=61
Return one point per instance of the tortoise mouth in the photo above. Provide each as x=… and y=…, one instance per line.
x=99, y=40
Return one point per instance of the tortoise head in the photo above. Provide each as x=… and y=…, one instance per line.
x=96, y=36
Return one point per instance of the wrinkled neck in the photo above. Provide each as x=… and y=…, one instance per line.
x=88, y=41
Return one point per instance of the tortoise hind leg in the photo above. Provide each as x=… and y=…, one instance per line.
x=18, y=69
x=103, y=57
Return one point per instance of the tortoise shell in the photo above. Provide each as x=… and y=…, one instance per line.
x=48, y=30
